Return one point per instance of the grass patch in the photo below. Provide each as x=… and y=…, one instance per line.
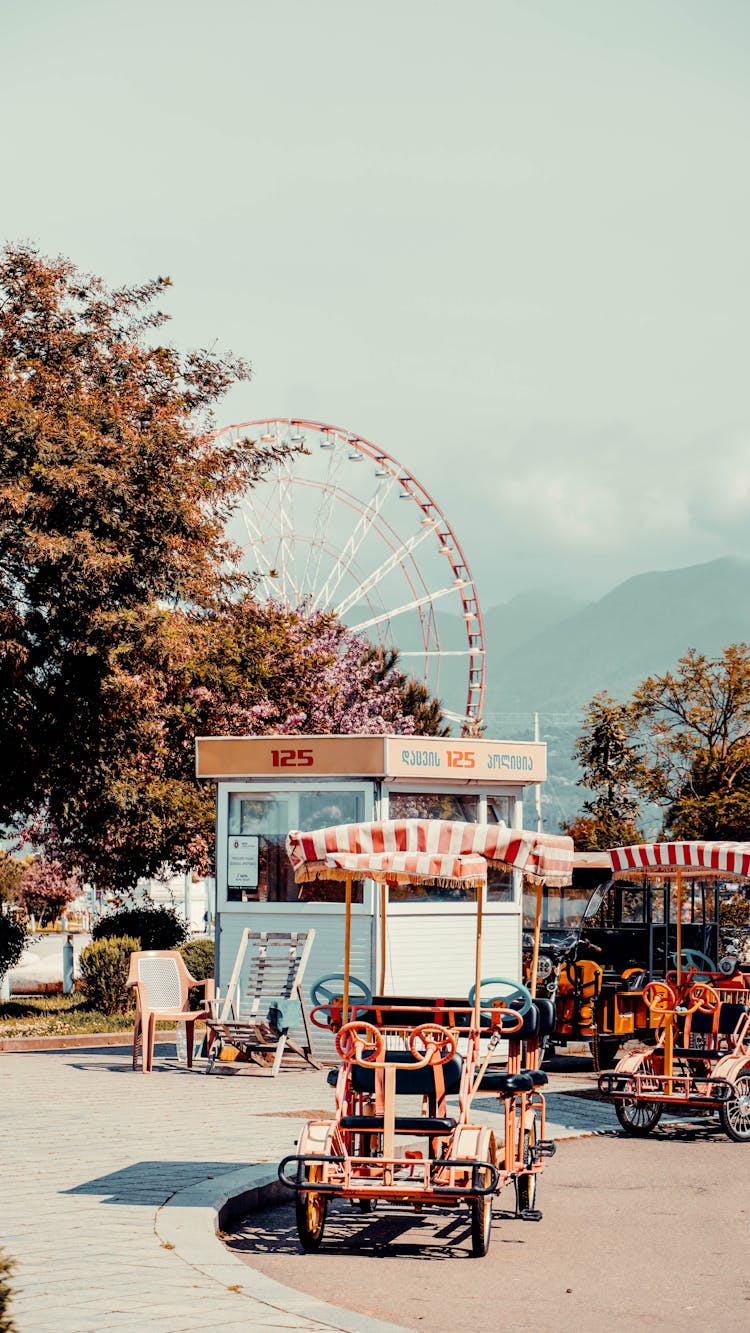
x=59, y=1016
x=56, y=1016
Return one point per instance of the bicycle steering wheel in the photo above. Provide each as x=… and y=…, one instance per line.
x=353, y=1039
x=705, y=998
x=322, y=994
x=430, y=1039
x=659, y=997
x=696, y=961
x=516, y=1001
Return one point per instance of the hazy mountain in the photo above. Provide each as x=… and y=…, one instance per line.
x=643, y=626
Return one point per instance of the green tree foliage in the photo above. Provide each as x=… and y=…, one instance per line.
x=696, y=727
x=114, y=494
x=104, y=968
x=609, y=759
x=156, y=927
x=7, y=1324
x=126, y=625
x=13, y=936
x=11, y=874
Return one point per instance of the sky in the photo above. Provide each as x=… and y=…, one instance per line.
x=506, y=240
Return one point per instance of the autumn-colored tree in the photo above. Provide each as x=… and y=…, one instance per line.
x=695, y=722
x=609, y=759
x=11, y=875
x=46, y=890
x=114, y=494
x=245, y=668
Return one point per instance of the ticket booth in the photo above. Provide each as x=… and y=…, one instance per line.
x=268, y=785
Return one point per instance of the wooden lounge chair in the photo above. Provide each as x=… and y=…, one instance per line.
x=162, y=984
x=263, y=1001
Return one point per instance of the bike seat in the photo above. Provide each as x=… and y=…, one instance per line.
x=500, y=1081
x=405, y=1124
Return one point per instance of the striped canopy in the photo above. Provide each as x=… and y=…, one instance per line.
x=722, y=858
x=436, y=851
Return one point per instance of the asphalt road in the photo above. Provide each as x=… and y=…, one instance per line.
x=637, y=1234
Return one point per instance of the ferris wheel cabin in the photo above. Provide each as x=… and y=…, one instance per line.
x=417, y=941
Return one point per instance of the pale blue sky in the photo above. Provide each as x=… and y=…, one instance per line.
x=506, y=240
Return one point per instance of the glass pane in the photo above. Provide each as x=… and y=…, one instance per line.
x=257, y=864
x=498, y=810
x=432, y=805
x=320, y=809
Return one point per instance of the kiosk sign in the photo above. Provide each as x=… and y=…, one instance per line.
x=242, y=861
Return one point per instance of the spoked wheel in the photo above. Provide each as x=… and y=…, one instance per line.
x=311, y=1209
x=481, y=1225
x=637, y=1117
x=526, y=1184
x=735, y=1115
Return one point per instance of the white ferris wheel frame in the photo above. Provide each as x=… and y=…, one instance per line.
x=433, y=523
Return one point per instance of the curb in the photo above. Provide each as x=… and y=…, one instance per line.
x=188, y=1224
x=94, y=1041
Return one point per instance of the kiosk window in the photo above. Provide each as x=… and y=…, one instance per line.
x=432, y=805
x=258, y=869
x=499, y=881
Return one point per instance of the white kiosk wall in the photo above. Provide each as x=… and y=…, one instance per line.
x=268, y=785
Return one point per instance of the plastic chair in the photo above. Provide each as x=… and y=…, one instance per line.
x=162, y=983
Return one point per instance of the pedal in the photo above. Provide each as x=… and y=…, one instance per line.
x=530, y=1215
x=546, y=1148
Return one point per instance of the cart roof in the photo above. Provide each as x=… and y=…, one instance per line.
x=438, y=851
x=695, y=858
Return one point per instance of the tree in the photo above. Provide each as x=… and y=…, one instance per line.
x=11, y=875
x=244, y=668
x=696, y=726
x=610, y=760
x=46, y=890
x=114, y=494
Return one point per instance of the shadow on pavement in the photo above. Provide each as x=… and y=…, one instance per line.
x=393, y=1233
x=152, y=1182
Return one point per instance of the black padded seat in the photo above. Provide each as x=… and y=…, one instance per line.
x=405, y=1124
x=695, y=1053
x=729, y=1017
x=546, y=1010
x=538, y=1077
x=410, y=1082
x=499, y=1080
x=530, y=1028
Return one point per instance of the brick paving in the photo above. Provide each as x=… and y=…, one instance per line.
x=92, y=1153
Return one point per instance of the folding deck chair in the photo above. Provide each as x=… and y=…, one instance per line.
x=263, y=1001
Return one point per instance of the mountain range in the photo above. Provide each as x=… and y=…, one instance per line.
x=548, y=653
x=540, y=660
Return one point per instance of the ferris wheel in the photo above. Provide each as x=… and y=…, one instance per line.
x=340, y=524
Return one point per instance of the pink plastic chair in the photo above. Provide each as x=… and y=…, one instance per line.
x=162, y=983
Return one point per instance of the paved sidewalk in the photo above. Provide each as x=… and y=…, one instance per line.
x=92, y=1152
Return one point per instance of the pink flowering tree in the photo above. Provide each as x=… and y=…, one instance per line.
x=244, y=668
x=46, y=890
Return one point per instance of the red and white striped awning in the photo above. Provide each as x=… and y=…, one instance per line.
x=723, y=858
x=446, y=852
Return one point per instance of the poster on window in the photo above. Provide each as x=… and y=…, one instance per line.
x=243, y=861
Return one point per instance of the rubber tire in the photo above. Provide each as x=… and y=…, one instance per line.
x=311, y=1220
x=738, y=1135
x=638, y=1131
x=481, y=1225
x=526, y=1185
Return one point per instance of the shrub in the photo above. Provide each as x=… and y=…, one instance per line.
x=13, y=933
x=104, y=970
x=6, y=1268
x=156, y=927
x=199, y=959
